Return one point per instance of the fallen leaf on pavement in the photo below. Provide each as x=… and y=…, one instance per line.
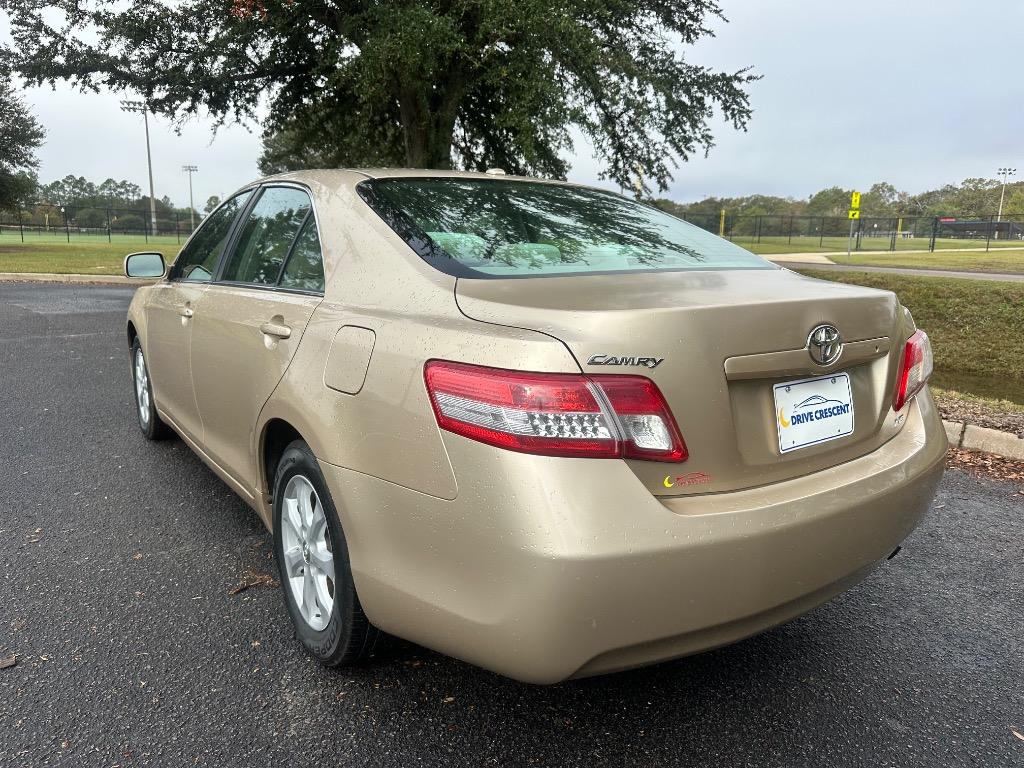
x=987, y=465
x=253, y=579
x=10, y=661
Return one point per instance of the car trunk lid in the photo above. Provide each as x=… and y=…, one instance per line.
x=717, y=343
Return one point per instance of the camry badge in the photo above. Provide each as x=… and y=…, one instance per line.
x=825, y=344
x=645, y=362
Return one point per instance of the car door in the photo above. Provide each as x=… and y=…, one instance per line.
x=169, y=312
x=249, y=321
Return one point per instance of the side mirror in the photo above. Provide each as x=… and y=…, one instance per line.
x=145, y=264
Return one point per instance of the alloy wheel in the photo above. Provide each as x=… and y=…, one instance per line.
x=142, y=387
x=308, y=552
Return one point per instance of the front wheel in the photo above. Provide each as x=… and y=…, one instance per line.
x=312, y=559
x=149, y=421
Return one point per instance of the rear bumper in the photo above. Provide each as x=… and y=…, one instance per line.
x=545, y=568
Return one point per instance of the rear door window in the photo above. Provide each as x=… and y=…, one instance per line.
x=198, y=259
x=305, y=268
x=267, y=236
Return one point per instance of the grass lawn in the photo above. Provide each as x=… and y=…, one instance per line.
x=813, y=244
x=976, y=328
x=98, y=257
x=965, y=261
x=90, y=257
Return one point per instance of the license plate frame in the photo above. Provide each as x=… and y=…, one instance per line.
x=813, y=411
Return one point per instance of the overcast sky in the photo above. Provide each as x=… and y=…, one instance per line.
x=916, y=92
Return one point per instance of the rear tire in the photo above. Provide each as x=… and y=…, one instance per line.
x=145, y=409
x=313, y=563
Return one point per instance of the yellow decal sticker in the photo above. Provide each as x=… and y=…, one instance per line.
x=782, y=419
x=691, y=478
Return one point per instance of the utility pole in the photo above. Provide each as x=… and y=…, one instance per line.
x=190, y=169
x=141, y=106
x=1004, y=172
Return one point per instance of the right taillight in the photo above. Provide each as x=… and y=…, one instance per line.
x=555, y=414
x=915, y=369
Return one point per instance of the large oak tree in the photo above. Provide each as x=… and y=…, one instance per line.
x=20, y=137
x=443, y=83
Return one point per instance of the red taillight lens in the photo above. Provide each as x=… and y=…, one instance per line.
x=915, y=369
x=646, y=424
x=555, y=414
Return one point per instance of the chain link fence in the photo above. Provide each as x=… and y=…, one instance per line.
x=86, y=223
x=816, y=234
x=765, y=233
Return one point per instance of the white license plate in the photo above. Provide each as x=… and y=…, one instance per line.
x=812, y=411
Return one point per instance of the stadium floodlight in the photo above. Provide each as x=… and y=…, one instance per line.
x=141, y=106
x=190, y=169
x=1004, y=172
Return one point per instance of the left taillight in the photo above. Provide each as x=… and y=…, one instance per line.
x=555, y=414
x=915, y=369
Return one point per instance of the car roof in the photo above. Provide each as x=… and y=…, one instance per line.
x=335, y=177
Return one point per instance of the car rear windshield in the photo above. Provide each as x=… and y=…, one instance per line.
x=502, y=228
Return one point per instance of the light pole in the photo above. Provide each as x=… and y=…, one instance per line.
x=190, y=169
x=141, y=106
x=1004, y=172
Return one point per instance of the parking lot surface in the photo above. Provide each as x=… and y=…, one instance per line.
x=118, y=560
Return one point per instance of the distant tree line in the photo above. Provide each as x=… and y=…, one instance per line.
x=972, y=198
x=87, y=203
x=121, y=205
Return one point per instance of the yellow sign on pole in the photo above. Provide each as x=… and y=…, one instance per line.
x=855, y=201
x=854, y=214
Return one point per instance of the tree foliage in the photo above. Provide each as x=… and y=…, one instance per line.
x=79, y=191
x=84, y=203
x=972, y=198
x=1015, y=202
x=20, y=136
x=465, y=83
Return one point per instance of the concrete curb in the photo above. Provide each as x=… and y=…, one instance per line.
x=54, y=277
x=973, y=438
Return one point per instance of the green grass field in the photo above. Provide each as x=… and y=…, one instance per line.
x=801, y=244
x=90, y=257
x=974, y=327
x=1003, y=260
x=95, y=256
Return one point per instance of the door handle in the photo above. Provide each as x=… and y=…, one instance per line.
x=187, y=312
x=276, y=329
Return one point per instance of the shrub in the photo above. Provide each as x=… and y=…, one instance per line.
x=128, y=222
x=91, y=218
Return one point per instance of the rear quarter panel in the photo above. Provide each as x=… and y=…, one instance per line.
x=375, y=281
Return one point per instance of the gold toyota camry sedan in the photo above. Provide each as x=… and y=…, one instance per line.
x=534, y=425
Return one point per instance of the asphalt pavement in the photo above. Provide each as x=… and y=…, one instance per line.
x=118, y=559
